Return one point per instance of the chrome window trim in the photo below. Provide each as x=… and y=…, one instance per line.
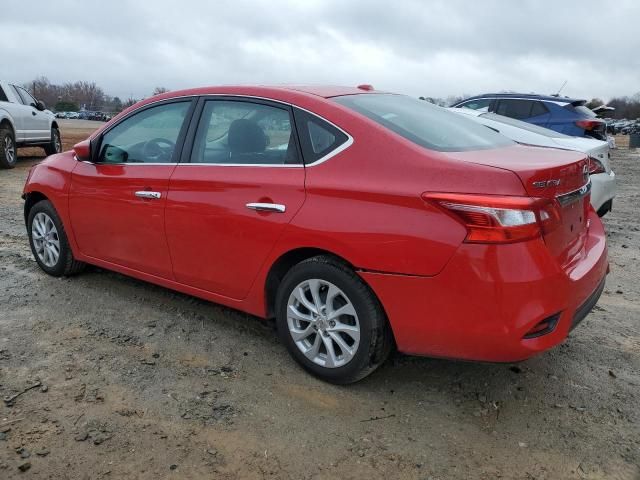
x=557, y=102
x=132, y=164
x=240, y=165
x=339, y=149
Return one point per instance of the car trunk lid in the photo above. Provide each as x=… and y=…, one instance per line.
x=559, y=175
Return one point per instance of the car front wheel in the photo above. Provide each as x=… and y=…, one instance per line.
x=49, y=243
x=8, y=152
x=55, y=145
x=331, y=322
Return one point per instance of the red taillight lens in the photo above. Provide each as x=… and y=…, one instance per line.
x=499, y=219
x=596, y=166
x=589, y=124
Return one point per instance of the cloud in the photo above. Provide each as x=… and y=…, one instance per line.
x=435, y=48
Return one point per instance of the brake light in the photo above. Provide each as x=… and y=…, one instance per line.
x=596, y=166
x=499, y=219
x=589, y=124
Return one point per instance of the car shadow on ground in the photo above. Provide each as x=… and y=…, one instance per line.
x=399, y=372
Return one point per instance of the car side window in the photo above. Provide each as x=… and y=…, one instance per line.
x=16, y=94
x=514, y=108
x=318, y=138
x=3, y=96
x=481, y=104
x=538, y=108
x=244, y=133
x=149, y=136
x=27, y=99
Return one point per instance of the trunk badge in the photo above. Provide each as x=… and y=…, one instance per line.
x=547, y=183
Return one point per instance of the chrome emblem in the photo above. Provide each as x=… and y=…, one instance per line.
x=547, y=183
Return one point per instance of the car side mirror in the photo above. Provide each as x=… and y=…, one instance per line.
x=40, y=105
x=83, y=151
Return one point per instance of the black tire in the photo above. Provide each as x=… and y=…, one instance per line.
x=376, y=339
x=55, y=145
x=8, y=149
x=606, y=208
x=66, y=264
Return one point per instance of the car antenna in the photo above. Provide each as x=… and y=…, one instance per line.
x=557, y=94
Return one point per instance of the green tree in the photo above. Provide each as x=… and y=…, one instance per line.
x=66, y=107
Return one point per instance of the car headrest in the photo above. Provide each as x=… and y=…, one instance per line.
x=246, y=136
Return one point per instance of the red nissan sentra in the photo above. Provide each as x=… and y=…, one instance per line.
x=360, y=220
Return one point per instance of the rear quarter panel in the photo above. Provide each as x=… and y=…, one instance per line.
x=365, y=203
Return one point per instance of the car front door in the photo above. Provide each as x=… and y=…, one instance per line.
x=229, y=203
x=36, y=122
x=117, y=200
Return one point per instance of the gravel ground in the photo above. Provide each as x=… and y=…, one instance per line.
x=136, y=381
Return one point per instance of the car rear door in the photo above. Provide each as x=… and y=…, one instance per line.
x=117, y=201
x=240, y=183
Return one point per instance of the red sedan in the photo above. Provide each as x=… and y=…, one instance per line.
x=360, y=220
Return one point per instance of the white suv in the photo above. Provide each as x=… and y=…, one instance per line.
x=24, y=122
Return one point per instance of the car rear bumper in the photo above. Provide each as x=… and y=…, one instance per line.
x=603, y=189
x=488, y=297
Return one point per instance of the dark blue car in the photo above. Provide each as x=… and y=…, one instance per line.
x=565, y=115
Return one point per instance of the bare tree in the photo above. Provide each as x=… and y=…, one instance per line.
x=159, y=91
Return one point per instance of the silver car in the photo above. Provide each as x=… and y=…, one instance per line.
x=24, y=122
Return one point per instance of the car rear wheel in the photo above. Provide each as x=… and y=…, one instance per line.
x=8, y=150
x=49, y=243
x=331, y=322
x=55, y=146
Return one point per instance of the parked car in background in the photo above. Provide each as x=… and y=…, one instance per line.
x=603, y=178
x=359, y=220
x=562, y=114
x=24, y=122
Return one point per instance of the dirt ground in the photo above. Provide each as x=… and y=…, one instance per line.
x=136, y=381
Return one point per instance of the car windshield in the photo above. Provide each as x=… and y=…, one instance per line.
x=424, y=123
x=524, y=125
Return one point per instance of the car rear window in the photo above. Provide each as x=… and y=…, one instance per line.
x=423, y=123
x=586, y=111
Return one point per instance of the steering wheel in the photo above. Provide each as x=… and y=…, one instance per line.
x=158, y=150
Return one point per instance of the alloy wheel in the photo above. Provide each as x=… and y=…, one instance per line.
x=323, y=323
x=57, y=143
x=9, y=149
x=45, y=239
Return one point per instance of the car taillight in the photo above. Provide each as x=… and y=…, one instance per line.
x=596, y=166
x=589, y=124
x=499, y=219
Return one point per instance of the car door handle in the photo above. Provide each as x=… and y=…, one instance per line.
x=267, y=207
x=148, y=194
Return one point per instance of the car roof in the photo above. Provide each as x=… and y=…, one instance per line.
x=323, y=91
x=531, y=96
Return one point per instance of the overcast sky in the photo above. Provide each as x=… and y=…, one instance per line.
x=430, y=48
